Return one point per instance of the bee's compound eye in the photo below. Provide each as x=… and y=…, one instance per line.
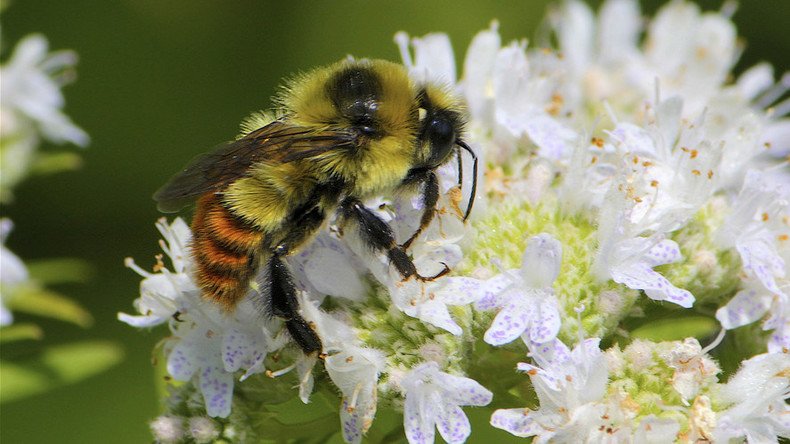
x=441, y=136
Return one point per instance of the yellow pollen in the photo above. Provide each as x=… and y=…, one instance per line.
x=783, y=237
x=349, y=359
x=696, y=172
x=765, y=217
x=653, y=183
x=597, y=141
x=710, y=174
x=694, y=154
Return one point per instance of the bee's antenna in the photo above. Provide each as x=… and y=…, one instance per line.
x=463, y=145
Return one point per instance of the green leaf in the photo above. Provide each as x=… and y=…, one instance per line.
x=676, y=329
x=42, y=302
x=64, y=270
x=56, y=366
x=48, y=163
x=20, y=332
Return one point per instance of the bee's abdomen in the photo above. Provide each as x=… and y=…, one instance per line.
x=224, y=247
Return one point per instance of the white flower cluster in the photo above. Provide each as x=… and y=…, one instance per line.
x=612, y=166
x=30, y=110
x=30, y=106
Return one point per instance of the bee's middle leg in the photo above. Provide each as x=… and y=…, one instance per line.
x=378, y=235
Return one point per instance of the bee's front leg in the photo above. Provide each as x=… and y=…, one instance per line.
x=378, y=236
x=430, y=197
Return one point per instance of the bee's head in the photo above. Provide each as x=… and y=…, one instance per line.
x=441, y=126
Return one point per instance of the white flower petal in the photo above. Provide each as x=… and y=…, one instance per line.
x=478, y=70
x=329, y=272
x=435, y=313
x=434, y=59
x=142, y=321
x=540, y=263
x=654, y=430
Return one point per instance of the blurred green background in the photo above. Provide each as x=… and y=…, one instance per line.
x=160, y=81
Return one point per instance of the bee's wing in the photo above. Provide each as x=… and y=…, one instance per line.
x=277, y=142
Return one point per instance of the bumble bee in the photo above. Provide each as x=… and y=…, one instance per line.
x=346, y=132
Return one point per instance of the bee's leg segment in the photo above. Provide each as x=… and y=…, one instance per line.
x=378, y=235
x=430, y=196
x=285, y=305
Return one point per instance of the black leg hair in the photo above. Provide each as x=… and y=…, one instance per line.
x=378, y=235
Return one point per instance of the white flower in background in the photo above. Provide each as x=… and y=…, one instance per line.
x=758, y=396
x=568, y=384
x=688, y=53
x=526, y=301
x=12, y=272
x=30, y=106
x=434, y=399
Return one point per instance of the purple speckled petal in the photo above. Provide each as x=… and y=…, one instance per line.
x=235, y=349
x=760, y=259
x=664, y=252
x=217, y=388
x=779, y=342
x=181, y=363
x=744, y=308
x=640, y=276
x=463, y=391
x=491, y=297
x=511, y=321
x=546, y=322
x=519, y=422
x=418, y=419
x=351, y=424
x=453, y=424
x=462, y=290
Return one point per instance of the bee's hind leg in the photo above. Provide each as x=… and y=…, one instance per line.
x=378, y=236
x=282, y=299
x=284, y=304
